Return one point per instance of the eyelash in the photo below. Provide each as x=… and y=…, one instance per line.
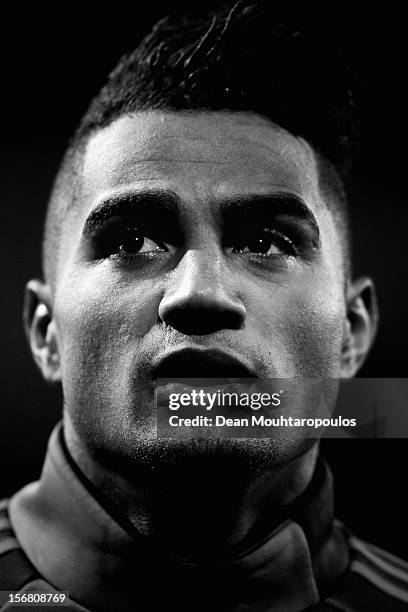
x=284, y=242
x=108, y=244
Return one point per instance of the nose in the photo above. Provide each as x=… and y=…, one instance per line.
x=199, y=299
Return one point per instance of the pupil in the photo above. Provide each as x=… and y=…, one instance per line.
x=132, y=243
x=260, y=244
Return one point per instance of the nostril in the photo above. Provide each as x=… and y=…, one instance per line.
x=201, y=300
x=198, y=320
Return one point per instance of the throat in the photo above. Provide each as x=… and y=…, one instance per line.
x=206, y=503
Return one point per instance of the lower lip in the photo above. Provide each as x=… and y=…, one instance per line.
x=188, y=384
x=167, y=386
x=174, y=386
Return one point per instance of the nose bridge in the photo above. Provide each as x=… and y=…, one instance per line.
x=200, y=297
x=201, y=274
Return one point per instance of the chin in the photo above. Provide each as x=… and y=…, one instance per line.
x=201, y=458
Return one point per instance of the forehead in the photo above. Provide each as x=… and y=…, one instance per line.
x=208, y=155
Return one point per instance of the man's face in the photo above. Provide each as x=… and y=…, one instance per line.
x=192, y=231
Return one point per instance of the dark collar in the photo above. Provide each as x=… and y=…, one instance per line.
x=77, y=543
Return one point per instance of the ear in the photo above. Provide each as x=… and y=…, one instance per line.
x=40, y=329
x=360, y=325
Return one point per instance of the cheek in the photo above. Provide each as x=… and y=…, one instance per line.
x=316, y=335
x=303, y=329
x=100, y=330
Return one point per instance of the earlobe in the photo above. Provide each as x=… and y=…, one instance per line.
x=360, y=326
x=40, y=329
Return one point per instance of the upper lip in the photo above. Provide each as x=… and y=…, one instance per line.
x=200, y=363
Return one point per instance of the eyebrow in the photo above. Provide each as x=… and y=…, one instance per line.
x=149, y=204
x=165, y=205
x=249, y=207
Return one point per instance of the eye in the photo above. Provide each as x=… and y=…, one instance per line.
x=133, y=242
x=128, y=242
x=265, y=242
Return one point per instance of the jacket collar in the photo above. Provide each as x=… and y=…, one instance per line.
x=77, y=544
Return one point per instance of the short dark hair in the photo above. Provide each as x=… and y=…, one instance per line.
x=231, y=58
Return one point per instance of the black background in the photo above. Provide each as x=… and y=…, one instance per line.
x=51, y=65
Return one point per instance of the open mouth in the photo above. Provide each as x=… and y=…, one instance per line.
x=200, y=363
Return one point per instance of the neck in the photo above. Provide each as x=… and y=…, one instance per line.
x=198, y=500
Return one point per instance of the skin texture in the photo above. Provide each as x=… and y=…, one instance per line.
x=106, y=320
